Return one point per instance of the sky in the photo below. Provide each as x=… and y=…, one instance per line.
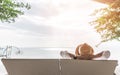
x=55, y=23
x=52, y=23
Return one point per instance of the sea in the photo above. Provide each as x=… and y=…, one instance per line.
x=39, y=53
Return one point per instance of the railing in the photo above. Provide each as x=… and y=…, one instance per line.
x=6, y=52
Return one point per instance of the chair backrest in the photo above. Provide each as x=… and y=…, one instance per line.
x=31, y=66
x=59, y=67
x=87, y=67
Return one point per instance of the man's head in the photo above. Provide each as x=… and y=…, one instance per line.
x=86, y=49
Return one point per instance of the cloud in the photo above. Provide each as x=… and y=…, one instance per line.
x=52, y=22
x=29, y=26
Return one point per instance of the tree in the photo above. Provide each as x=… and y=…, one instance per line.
x=107, y=22
x=11, y=9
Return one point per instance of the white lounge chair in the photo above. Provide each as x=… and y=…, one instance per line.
x=88, y=67
x=59, y=67
x=31, y=66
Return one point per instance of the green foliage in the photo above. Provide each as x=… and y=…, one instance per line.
x=107, y=23
x=11, y=9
